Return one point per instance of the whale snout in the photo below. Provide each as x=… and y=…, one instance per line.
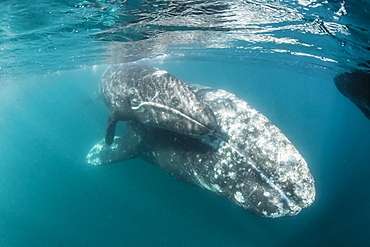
x=269, y=184
x=285, y=188
x=274, y=196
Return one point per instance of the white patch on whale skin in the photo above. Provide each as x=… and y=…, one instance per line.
x=239, y=197
x=114, y=146
x=92, y=157
x=232, y=175
x=266, y=193
x=216, y=188
x=201, y=183
x=159, y=73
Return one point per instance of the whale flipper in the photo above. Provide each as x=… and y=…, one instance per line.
x=123, y=148
x=110, y=129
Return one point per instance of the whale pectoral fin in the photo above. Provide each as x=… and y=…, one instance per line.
x=122, y=149
x=110, y=129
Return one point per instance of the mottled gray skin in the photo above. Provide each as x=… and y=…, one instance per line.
x=251, y=163
x=155, y=98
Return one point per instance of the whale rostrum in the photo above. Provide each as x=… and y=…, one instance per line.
x=247, y=160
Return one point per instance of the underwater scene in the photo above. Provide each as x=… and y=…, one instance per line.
x=185, y=123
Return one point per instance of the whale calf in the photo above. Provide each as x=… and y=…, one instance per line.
x=153, y=97
x=249, y=160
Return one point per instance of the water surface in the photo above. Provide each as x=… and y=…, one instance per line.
x=279, y=56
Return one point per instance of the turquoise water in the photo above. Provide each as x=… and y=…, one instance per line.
x=50, y=73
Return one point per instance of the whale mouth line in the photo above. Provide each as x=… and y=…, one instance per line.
x=177, y=112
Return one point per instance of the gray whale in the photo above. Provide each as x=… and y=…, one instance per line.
x=251, y=162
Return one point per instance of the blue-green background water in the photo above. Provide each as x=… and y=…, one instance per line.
x=49, y=196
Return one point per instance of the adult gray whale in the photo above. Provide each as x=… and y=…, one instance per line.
x=153, y=97
x=251, y=163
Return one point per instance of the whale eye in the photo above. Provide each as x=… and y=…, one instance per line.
x=134, y=102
